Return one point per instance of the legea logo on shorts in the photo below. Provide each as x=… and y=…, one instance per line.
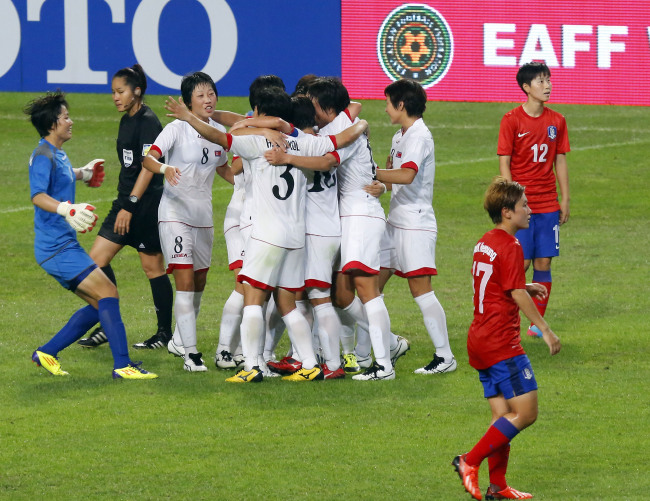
x=415, y=42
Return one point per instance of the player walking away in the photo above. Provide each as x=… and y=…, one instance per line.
x=362, y=224
x=133, y=218
x=532, y=140
x=494, y=341
x=275, y=249
x=411, y=231
x=56, y=220
x=185, y=211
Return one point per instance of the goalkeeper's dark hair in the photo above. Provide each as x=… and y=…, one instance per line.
x=501, y=194
x=274, y=102
x=191, y=81
x=409, y=92
x=330, y=93
x=303, y=112
x=263, y=82
x=44, y=111
x=134, y=77
x=530, y=71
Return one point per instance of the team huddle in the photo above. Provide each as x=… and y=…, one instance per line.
x=307, y=238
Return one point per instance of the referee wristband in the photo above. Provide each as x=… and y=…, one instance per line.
x=129, y=206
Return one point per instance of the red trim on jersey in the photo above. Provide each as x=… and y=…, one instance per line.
x=290, y=289
x=410, y=165
x=254, y=283
x=173, y=266
x=336, y=155
x=357, y=265
x=202, y=270
x=347, y=112
x=236, y=264
x=317, y=283
x=235, y=157
x=421, y=272
x=155, y=148
x=333, y=139
x=229, y=139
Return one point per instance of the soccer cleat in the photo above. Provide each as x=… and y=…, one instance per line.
x=96, y=338
x=375, y=373
x=337, y=374
x=238, y=359
x=437, y=366
x=223, y=360
x=306, y=375
x=287, y=365
x=266, y=372
x=133, y=371
x=402, y=347
x=194, y=363
x=175, y=349
x=159, y=340
x=350, y=364
x=49, y=363
x=364, y=362
x=468, y=475
x=534, y=331
x=507, y=493
x=243, y=376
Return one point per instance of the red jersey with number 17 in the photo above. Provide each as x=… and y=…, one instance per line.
x=498, y=268
x=532, y=144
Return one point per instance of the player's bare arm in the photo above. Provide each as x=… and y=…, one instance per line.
x=273, y=136
x=536, y=290
x=226, y=118
x=396, y=176
x=275, y=156
x=526, y=305
x=376, y=188
x=562, y=174
x=264, y=122
x=226, y=173
x=152, y=164
x=177, y=109
x=504, y=166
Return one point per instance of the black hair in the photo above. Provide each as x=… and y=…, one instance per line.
x=303, y=84
x=274, y=102
x=44, y=111
x=529, y=71
x=303, y=112
x=134, y=77
x=330, y=93
x=410, y=93
x=263, y=82
x=191, y=81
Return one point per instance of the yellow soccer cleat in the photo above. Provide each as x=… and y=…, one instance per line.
x=133, y=371
x=306, y=375
x=243, y=376
x=350, y=364
x=49, y=363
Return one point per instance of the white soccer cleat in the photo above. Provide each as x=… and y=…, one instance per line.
x=364, y=362
x=437, y=366
x=375, y=373
x=194, y=363
x=223, y=360
x=402, y=347
x=175, y=349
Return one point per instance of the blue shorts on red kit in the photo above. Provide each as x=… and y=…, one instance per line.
x=542, y=237
x=511, y=377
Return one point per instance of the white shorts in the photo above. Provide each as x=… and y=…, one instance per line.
x=185, y=246
x=323, y=254
x=411, y=253
x=360, y=243
x=235, y=247
x=268, y=266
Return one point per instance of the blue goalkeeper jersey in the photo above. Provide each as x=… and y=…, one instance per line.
x=50, y=172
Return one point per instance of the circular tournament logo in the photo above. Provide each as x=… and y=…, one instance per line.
x=415, y=42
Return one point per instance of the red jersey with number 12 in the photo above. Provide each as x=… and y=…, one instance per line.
x=532, y=144
x=498, y=268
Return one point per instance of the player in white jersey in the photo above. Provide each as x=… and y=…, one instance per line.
x=185, y=210
x=362, y=224
x=411, y=231
x=275, y=251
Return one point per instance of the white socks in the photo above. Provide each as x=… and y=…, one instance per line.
x=379, y=330
x=435, y=322
x=300, y=335
x=329, y=327
x=230, y=322
x=252, y=331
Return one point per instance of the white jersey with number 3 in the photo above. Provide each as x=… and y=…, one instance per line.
x=190, y=201
x=278, y=191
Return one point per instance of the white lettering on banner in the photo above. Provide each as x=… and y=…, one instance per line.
x=538, y=36
x=9, y=35
x=146, y=47
x=570, y=45
x=606, y=46
x=75, y=25
x=492, y=43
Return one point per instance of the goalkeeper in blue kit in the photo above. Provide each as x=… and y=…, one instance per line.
x=57, y=219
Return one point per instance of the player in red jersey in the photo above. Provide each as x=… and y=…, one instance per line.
x=533, y=140
x=494, y=342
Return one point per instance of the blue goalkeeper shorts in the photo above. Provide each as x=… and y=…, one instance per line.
x=69, y=266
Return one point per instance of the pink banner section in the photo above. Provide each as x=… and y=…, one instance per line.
x=598, y=50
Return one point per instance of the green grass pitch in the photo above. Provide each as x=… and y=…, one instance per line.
x=193, y=436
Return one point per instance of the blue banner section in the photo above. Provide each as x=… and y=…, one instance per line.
x=77, y=45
